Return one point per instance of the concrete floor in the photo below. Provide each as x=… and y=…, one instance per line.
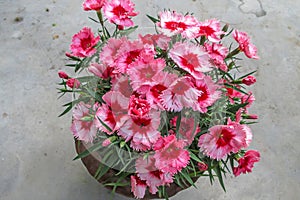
x=37, y=147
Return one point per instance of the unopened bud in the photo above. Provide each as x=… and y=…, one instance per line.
x=249, y=80
x=63, y=75
x=73, y=83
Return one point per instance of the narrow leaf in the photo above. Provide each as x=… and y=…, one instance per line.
x=217, y=169
x=154, y=20
x=248, y=74
x=66, y=110
x=93, y=148
x=194, y=157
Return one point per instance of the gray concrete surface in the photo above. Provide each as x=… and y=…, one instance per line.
x=37, y=147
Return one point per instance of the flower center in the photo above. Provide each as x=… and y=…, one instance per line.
x=176, y=25
x=119, y=11
x=224, y=138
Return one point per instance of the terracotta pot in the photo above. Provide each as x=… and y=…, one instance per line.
x=92, y=164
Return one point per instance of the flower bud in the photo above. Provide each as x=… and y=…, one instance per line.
x=120, y=27
x=68, y=54
x=63, y=75
x=106, y=142
x=202, y=166
x=73, y=83
x=250, y=116
x=249, y=80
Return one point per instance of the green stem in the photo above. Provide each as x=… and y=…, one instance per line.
x=233, y=53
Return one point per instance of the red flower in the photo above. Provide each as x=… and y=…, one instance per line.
x=210, y=29
x=93, y=4
x=83, y=43
x=221, y=140
x=147, y=171
x=244, y=44
x=191, y=58
x=119, y=12
x=246, y=163
x=170, y=155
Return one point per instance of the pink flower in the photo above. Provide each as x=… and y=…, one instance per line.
x=101, y=70
x=131, y=52
x=104, y=113
x=246, y=163
x=249, y=98
x=138, y=187
x=244, y=44
x=63, y=75
x=73, y=83
x=118, y=104
x=211, y=29
x=143, y=74
x=120, y=83
x=191, y=58
x=82, y=128
x=157, y=40
x=142, y=125
x=249, y=80
x=109, y=52
x=179, y=94
x=154, y=178
x=187, y=129
x=217, y=53
x=221, y=140
x=119, y=12
x=93, y=4
x=162, y=81
x=83, y=43
x=209, y=93
x=202, y=166
x=172, y=23
x=170, y=157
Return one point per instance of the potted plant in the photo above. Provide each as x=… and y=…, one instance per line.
x=153, y=114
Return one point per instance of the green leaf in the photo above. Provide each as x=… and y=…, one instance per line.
x=178, y=121
x=66, y=110
x=87, y=152
x=187, y=177
x=194, y=157
x=217, y=169
x=231, y=162
x=211, y=177
x=235, y=88
x=177, y=181
x=70, y=65
x=154, y=20
x=101, y=171
x=103, y=124
x=94, y=20
x=247, y=74
x=116, y=184
x=87, y=78
x=225, y=165
x=234, y=108
x=128, y=31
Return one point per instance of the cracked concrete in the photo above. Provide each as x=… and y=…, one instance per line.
x=252, y=7
x=37, y=147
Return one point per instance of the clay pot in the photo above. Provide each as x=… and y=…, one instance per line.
x=92, y=164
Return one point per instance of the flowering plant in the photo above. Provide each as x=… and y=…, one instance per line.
x=165, y=108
